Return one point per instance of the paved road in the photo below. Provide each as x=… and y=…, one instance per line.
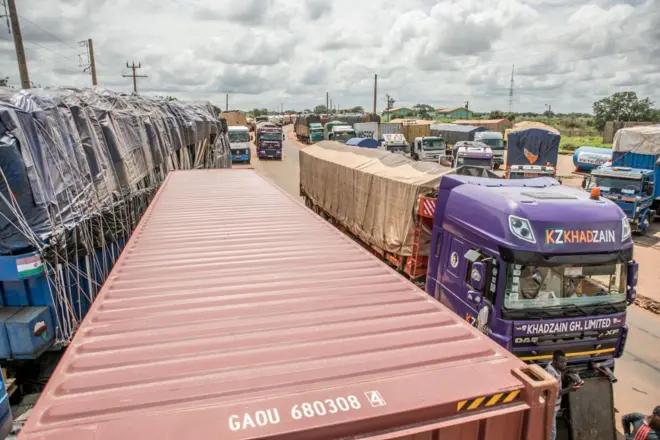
x=638, y=371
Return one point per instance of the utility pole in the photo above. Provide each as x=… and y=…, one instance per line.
x=92, y=61
x=375, y=90
x=327, y=100
x=330, y=106
x=135, y=76
x=511, y=90
x=90, y=65
x=18, y=42
x=226, y=102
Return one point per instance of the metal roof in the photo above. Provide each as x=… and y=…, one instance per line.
x=230, y=299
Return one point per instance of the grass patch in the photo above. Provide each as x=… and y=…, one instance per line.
x=572, y=143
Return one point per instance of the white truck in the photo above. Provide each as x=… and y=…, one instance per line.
x=341, y=133
x=428, y=149
x=474, y=156
x=394, y=143
x=495, y=140
x=239, y=143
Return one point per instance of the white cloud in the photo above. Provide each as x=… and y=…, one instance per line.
x=265, y=52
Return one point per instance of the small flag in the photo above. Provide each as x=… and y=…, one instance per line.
x=29, y=266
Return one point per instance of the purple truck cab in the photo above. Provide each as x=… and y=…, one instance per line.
x=268, y=141
x=537, y=266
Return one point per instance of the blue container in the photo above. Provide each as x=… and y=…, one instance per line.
x=24, y=284
x=5, y=347
x=588, y=158
x=363, y=142
x=30, y=332
x=5, y=411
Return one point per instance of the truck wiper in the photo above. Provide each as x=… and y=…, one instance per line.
x=607, y=307
x=571, y=307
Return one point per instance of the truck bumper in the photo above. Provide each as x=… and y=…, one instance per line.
x=240, y=158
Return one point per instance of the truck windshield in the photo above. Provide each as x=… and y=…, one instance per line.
x=461, y=161
x=343, y=136
x=239, y=136
x=534, y=287
x=271, y=136
x=434, y=144
x=613, y=184
x=495, y=144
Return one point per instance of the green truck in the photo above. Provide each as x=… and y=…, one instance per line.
x=308, y=128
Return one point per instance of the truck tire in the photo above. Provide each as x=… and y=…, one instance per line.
x=496, y=166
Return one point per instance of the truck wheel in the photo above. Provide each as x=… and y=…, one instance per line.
x=496, y=166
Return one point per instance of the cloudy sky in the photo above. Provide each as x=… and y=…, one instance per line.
x=567, y=53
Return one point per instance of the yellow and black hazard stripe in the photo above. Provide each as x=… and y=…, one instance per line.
x=488, y=401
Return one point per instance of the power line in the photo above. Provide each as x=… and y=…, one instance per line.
x=47, y=32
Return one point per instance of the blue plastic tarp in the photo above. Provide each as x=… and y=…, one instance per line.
x=363, y=142
x=533, y=146
x=68, y=154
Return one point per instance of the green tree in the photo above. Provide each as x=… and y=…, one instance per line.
x=4, y=82
x=169, y=98
x=320, y=109
x=423, y=111
x=622, y=106
x=510, y=116
x=256, y=112
x=496, y=114
x=357, y=109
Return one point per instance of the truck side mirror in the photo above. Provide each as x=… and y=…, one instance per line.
x=631, y=292
x=478, y=276
x=633, y=270
x=649, y=188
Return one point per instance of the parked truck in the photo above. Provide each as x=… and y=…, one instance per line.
x=239, y=142
x=308, y=128
x=536, y=266
x=532, y=151
x=394, y=143
x=474, y=156
x=341, y=133
x=321, y=342
x=632, y=179
x=268, y=141
x=495, y=140
x=235, y=118
x=453, y=133
x=428, y=149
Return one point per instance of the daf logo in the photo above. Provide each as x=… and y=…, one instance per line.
x=454, y=260
x=526, y=340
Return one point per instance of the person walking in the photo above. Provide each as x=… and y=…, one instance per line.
x=637, y=426
x=557, y=368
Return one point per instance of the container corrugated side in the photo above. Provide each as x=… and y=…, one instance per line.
x=236, y=313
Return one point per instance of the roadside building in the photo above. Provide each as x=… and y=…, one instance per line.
x=453, y=113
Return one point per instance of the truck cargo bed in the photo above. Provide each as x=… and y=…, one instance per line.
x=236, y=313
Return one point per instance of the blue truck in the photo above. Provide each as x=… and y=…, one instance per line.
x=632, y=178
x=535, y=265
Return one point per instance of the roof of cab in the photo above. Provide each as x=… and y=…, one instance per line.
x=230, y=299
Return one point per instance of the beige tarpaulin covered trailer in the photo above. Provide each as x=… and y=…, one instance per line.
x=371, y=192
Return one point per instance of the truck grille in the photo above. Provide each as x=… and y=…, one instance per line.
x=240, y=151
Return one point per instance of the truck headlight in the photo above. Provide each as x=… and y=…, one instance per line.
x=625, y=229
x=521, y=228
